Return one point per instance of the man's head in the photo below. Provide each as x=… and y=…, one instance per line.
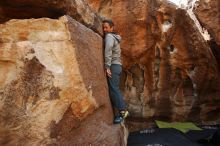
x=108, y=26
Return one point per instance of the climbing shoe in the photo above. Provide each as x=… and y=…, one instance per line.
x=118, y=120
x=124, y=114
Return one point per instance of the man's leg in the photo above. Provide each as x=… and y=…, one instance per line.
x=115, y=93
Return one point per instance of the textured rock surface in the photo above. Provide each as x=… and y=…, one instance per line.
x=52, y=85
x=170, y=72
x=208, y=13
x=103, y=7
x=23, y=9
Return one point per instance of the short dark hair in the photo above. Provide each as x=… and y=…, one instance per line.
x=110, y=22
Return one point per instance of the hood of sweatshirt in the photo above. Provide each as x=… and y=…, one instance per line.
x=117, y=37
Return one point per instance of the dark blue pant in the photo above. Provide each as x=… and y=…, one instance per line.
x=114, y=91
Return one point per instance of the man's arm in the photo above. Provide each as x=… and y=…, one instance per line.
x=109, y=43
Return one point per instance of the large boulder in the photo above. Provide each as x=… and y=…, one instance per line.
x=23, y=9
x=53, y=87
x=208, y=12
x=170, y=72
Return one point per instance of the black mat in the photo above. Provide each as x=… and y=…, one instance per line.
x=171, y=137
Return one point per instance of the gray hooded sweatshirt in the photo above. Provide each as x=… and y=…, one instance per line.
x=112, y=49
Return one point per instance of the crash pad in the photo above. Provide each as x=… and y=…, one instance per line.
x=181, y=126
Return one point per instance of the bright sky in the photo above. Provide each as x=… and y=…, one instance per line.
x=178, y=2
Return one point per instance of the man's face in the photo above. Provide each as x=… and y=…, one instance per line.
x=107, y=28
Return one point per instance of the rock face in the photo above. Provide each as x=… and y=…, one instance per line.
x=208, y=13
x=170, y=72
x=23, y=9
x=52, y=85
x=103, y=7
x=53, y=88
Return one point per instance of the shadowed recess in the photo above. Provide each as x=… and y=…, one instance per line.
x=21, y=10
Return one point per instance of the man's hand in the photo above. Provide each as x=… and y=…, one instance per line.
x=108, y=72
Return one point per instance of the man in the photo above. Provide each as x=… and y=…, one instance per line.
x=113, y=69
